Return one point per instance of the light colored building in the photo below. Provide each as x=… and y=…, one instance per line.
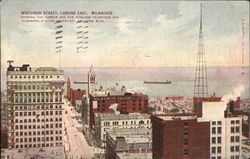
x=3, y=110
x=34, y=153
x=129, y=143
x=34, y=108
x=110, y=121
x=225, y=130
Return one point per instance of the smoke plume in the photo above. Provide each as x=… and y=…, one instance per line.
x=233, y=95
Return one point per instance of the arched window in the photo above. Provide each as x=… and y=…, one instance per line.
x=141, y=122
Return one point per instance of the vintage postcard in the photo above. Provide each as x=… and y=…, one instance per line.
x=125, y=79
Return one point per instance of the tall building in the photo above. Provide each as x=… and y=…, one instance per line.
x=34, y=108
x=68, y=90
x=213, y=133
x=3, y=110
x=225, y=129
x=91, y=81
x=85, y=109
x=180, y=136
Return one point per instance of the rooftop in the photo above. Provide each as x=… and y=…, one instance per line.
x=112, y=116
x=147, y=155
x=38, y=153
x=177, y=117
x=46, y=69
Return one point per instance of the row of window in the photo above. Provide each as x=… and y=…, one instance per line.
x=235, y=139
x=218, y=123
x=235, y=148
x=107, y=123
x=38, y=94
x=47, y=132
x=34, y=139
x=37, y=86
x=38, y=145
x=218, y=140
x=218, y=149
x=37, y=120
x=235, y=157
x=36, y=100
x=42, y=113
x=38, y=126
x=214, y=130
x=235, y=121
x=33, y=77
x=235, y=129
x=29, y=107
x=218, y=157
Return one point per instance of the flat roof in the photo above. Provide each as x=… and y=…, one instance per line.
x=39, y=153
x=178, y=117
x=113, y=116
x=144, y=155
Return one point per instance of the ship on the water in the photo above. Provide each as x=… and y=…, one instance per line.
x=157, y=82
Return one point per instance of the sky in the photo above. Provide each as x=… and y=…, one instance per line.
x=146, y=34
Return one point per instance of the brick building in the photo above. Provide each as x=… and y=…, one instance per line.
x=235, y=104
x=198, y=100
x=74, y=96
x=126, y=103
x=180, y=136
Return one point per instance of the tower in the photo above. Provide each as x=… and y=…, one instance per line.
x=91, y=81
x=68, y=90
x=200, y=85
x=243, y=46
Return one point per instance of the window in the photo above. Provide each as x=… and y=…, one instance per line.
x=213, y=130
x=232, y=129
x=237, y=139
x=213, y=149
x=237, y=148
x=218, y=157
x=185, y=131
x=213, y=140
x=232, y=139
x=186, y=151
x=232, y=149
x=213, y=123
x=219, y=140
x=232, y=157
x=237, y=129
x=219, y=122
x=219, y=130
x=237, y=121
x=185, y=123
x=185, y=141
x=218, y=149
x=232, y=121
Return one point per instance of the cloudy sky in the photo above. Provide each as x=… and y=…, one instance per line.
x=147, y=33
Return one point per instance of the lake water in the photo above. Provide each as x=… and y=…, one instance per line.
x=221, y=80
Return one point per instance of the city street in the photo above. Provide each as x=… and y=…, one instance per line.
x=77, y=145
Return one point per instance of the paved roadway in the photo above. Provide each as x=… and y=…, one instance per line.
x=78, y=147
